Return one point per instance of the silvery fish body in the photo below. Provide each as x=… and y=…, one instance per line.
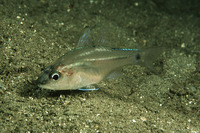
x=89, y=65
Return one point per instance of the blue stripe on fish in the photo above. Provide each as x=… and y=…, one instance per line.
x=95, y=89
x=126, y=49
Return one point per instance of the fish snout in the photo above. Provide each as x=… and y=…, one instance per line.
x=43, y=79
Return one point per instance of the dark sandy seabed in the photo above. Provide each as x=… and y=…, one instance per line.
x=35, y=33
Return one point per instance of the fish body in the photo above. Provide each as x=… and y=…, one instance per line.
x=89, y=65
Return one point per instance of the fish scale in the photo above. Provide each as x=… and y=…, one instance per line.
x=87, y=66
x=91, y=62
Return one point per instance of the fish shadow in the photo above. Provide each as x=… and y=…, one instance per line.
x=30, y=89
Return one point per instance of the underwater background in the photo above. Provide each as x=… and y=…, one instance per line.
x=34, y=33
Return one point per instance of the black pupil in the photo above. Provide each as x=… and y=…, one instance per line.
x=55, y=76
x=137, y=56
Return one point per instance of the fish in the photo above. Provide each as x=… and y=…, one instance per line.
x=84, y=67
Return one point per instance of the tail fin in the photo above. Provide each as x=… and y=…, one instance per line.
x=149, y=55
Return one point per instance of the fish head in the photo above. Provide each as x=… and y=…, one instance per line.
x=55, y=78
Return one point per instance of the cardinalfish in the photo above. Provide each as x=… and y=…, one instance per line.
x=84, y=67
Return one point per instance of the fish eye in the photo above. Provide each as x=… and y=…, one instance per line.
x=55, y=76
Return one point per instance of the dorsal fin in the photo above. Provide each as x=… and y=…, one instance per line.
x=95, y=35
x=85, y=39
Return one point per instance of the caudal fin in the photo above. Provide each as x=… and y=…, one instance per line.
x=149, y=55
